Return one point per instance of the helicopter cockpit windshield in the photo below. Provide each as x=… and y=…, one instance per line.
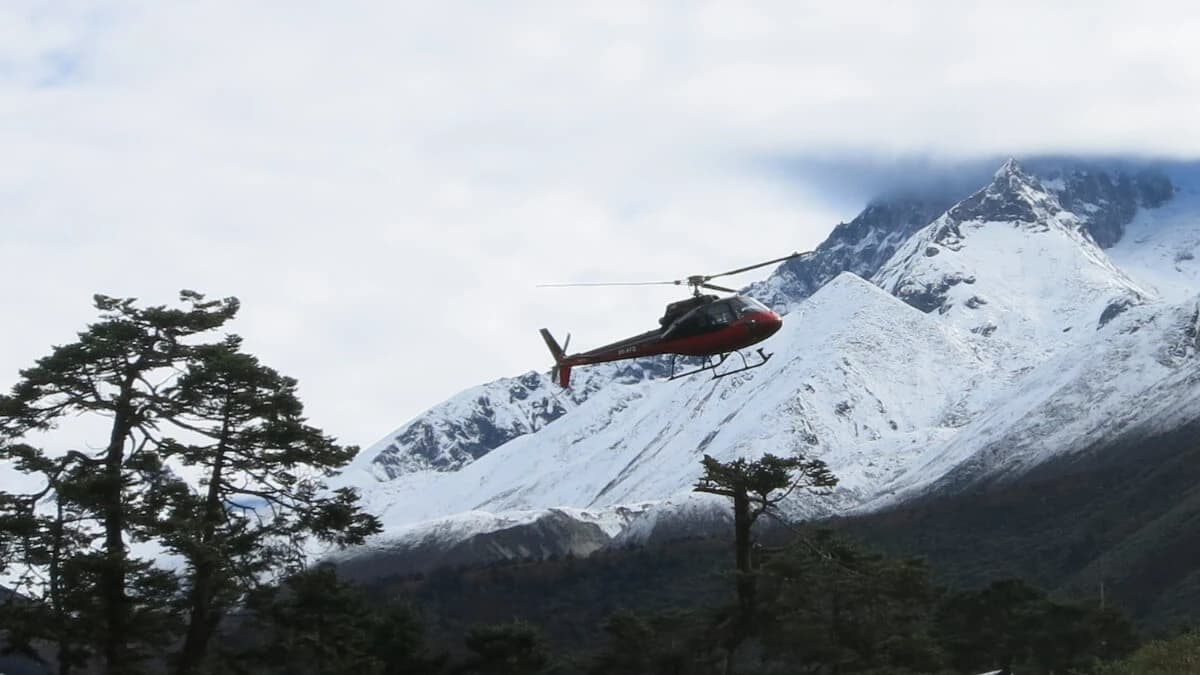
x=744, y=305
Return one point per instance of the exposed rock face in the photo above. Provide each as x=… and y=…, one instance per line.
x=479, y=420
x=445, y=443
x=1013, y=196
x=550, y=535
x=1107, y=200
x=860, y=246
x=928, y=297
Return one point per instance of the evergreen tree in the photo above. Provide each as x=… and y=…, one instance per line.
x=514, y=648
x=114, y=370
x=312, y=624
x=756, y=488
x=1177, y=656
x=174, y=404
x=398, y=642
x=835, y=606
x=1009, y=624
x=262, y=487
x=668, y=643
x=45, y=552
x=316, y=624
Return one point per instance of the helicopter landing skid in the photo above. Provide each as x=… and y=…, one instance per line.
x=712, y=363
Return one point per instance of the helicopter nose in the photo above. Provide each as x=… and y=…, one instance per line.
x=766, y=324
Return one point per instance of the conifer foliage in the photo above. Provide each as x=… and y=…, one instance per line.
x=830, y=601
x=314, y=623
x=260, y=461
x=169, y=399
x=756, y=488
x=514, y=648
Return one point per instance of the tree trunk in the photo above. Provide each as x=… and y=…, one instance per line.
x=56, y=599
x=746, y=585
x=743, y=623
x=112, y=577
x=200, y=625
x=201, y=622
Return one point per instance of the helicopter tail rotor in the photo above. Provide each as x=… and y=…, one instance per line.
x=561, y=370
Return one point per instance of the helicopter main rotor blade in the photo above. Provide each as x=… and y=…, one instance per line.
x=752, y=267
x=614, y=283
x=696, y=282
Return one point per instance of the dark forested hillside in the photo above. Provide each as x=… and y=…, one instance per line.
x=568, y=597
x=1126, y=514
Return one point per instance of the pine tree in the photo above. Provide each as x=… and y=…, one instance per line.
x=834, y=605
x=262, y=492
x=113, y=370
x=513, y=648
x=314, y=623
x=398, y=642
x=176, y=406
x=756, y=488
x=1010, y=623
x=47, y=552
x=649, y=644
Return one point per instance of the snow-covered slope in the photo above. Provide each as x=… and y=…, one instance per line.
x=1161, y=247
x=478, y=420
x=1140, y=373
x=1011, y=266
x=858, y=375
x=995, y=337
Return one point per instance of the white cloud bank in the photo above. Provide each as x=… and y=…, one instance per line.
x=383, y=183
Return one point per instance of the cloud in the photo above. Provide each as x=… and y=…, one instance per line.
x=384, y=183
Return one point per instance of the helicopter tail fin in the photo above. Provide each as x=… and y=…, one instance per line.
x=561, y=371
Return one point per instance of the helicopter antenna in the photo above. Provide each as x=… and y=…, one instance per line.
x=696, y=282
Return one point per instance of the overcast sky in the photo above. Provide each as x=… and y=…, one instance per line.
x=383, y=183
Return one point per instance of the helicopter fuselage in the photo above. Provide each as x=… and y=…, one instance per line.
x=702, y=326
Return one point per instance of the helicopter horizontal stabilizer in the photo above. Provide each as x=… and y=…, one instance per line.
x=560, y=371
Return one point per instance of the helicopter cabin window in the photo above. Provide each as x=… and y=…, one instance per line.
x=719, y=314
x=702, y=320
x=692, y=324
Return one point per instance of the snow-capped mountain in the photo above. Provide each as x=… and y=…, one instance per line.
x=1011, y=265
x=478, y=420
x=996, y=335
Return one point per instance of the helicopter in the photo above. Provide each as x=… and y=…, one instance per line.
x=704, y=325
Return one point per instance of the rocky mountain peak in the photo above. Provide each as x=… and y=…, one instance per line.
x=861, y=246
x=1010, y=265
x=1099, y=198
x=1013, y=196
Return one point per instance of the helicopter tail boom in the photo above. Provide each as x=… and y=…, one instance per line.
x=561, y=370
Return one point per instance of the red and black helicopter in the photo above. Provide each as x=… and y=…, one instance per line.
x=706, y=326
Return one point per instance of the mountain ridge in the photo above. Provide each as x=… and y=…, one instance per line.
x=850, y=416
x=465, y=427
